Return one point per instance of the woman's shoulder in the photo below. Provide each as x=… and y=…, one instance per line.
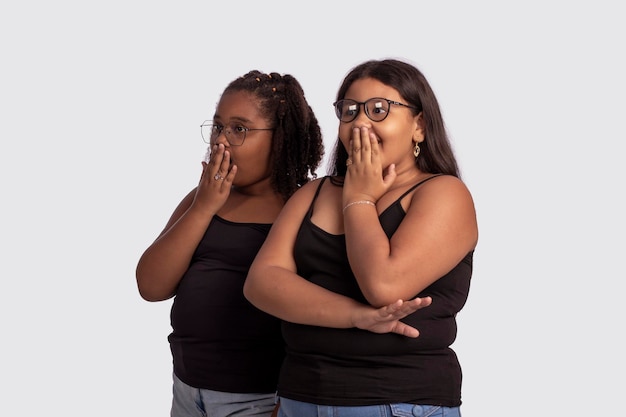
x=310, y=190
x=319, y=182
x=442, y=181
x=443, y=190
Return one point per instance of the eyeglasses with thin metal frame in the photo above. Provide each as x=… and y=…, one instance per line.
x=235, y=133
x=376, y=108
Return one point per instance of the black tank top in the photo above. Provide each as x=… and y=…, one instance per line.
x=220, y=341
x=354, y=367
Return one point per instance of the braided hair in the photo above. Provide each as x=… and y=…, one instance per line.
x=297, y=145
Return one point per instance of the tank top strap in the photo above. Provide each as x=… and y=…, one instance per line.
x=317, y=192
x=413, y=187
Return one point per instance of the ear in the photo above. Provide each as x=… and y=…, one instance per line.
x=419, y=132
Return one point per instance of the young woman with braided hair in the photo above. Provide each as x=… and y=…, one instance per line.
x=265, y=143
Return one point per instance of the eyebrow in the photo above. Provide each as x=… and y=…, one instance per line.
x=239, y=119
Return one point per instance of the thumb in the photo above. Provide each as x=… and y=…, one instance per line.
x=390, y=175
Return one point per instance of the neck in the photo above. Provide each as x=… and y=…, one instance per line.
x=407, y=176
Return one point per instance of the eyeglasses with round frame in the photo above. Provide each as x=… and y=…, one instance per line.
x=235, y=133
x=376, y=108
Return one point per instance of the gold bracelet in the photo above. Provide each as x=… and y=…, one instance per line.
x=368, y=202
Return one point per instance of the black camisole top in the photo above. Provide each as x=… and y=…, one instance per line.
x=354, y=367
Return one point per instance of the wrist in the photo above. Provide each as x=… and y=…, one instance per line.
x=358, y=202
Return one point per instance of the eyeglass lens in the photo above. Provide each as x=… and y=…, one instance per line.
x=375, y=108
x=235, y=135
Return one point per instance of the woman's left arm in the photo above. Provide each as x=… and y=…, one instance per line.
x=439, y=229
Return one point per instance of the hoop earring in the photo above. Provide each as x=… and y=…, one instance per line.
x=416, y=150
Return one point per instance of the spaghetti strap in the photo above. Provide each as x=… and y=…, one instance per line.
x=319, y=187
x=417, y=185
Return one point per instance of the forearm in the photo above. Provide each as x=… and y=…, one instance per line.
x=284, y=294
x=369, y=253
x=297, y=300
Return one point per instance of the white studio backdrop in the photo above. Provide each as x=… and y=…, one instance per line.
x=101, y=104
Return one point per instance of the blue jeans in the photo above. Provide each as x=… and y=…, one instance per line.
x=194, y=402
x=291, y=408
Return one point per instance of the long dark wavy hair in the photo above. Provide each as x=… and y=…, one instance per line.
x=436, y=155
x=297, y=144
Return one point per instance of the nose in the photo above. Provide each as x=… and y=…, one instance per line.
x=221, y=138
x=361, y=119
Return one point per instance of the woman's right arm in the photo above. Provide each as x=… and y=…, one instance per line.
x=274, y=286
x=163, y=264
